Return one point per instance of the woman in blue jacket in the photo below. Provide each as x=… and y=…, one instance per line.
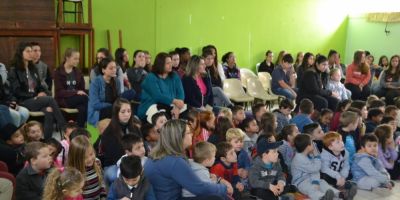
x=104, y=90
x=168, y=169
x=196, y=84
x=162, y=88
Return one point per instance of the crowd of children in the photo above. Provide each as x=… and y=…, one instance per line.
x=219, y=153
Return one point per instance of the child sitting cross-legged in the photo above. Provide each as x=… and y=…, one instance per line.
x=226, y=167
x=306, y=166
x=336, y=166
x=266, y=177
x=131, y=184
x=203, y=157
x=368, y=172
x=316, y=134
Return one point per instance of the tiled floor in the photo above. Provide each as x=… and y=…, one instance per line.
x=392, y=195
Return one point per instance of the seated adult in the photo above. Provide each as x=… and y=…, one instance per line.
x=136, y=74
x=358, y=76
x=43, y=69
x=308, y=62
x=281, y=78
x=162, y=89
x=219, y=97
x=184, y=57
x=28, y=91
x=267, y=65
x=70, y=86
x=100, y=55
x=104, y=90
x=11, y=112
x=229, y=64
x=389, y=80
x=314, y=83
x=169, y=171
x=197, y=85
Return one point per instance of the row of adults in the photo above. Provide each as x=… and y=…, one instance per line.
x=313, y=77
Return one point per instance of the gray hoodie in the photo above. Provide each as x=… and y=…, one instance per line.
x=201, y=172
x=367, y=165
x=260, y=176
x=334, y=166
x=305, y=168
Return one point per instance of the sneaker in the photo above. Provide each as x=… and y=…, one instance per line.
x=350, y=190
x=329, y=195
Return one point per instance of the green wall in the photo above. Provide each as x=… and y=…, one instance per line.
x=248, y=28
x=372, y=37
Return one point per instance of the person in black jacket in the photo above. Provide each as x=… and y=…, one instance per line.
x=267, y=65
x=313, y=86
x=136, y=74
x=27, y=89
x=196, y=84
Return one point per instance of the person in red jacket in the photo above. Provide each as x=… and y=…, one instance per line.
x=358, y=76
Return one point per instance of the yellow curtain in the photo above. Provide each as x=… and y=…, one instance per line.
x=384, y=17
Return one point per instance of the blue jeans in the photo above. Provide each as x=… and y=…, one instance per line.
x=110, y=174
x=19, y=116
x=284, y=92
x=5, y=116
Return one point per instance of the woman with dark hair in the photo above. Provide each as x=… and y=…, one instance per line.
x=197, y=85
x=70, y=86
x=184, y=56
x=27, y=89
x=219, y=97
x=308, y=62
x=122, y=59
x=168, y=169
x=122, y=123
x=389, y=80
x=230, y=68
x=136, y=74
x=104, y=90
x=358, y=76
x=100, y=55
x=162, y=89
x=217, y=65
x=314, y=84
x=267, y=65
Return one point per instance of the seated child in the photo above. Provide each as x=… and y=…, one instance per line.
x=226, y=167
x=368, y=172
x=250, y=127
x=55, y=149
x=223, y=124
x=349, y=122
x=375, y=116
x=371, y=98
x=336, y=166
x=316, y=134
x=150, y=136
x=68, y=129
x=306, y=166
x=159, y=119
x=377, y=104
x=33, y=131
x=391, y=111
x=64, y=184
x=132, y=145
x=235, y=137
x=341, y=107
x=226, y=112
x=12, y=145
x=203, y=157
x=325, y=118
x=30, y=180
x=283, y=114
x=131, y=184
x=238, y=115
x=288, y=133
x=335, y=85
x=303, y=117
x=266, y=177
x=387, y=153
x=258, y=110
